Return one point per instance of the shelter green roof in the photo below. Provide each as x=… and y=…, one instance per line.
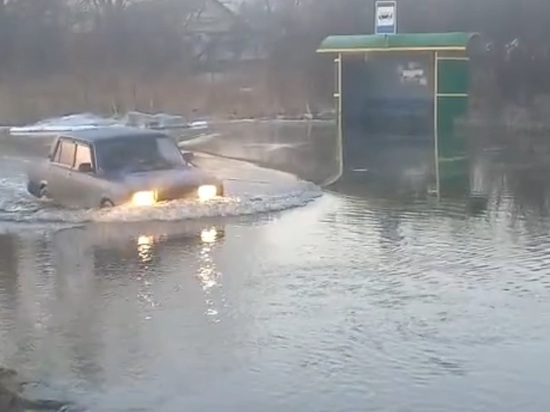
x=395, y=42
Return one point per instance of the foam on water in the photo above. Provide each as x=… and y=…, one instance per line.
x=250, y=190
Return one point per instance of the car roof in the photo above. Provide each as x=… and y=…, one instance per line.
x=106, y=133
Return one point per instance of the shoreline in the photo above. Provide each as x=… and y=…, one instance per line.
x=501, y=129
x=59, y=124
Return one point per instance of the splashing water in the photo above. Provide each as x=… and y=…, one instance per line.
x=251, y=190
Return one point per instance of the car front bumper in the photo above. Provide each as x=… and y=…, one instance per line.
x=203, y=193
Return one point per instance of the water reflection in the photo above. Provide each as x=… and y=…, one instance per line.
x=53, y=299
x=147, y=241
x=208, y=273
x=209, y=235
x=145, y=248
x=428, y=298
x=469, y=174
x=309, y=149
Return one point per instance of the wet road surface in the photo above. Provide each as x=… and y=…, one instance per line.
x=373, y=297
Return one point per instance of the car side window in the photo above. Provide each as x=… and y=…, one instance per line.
x=169, y=150
x=83, y=155
x=65, y=153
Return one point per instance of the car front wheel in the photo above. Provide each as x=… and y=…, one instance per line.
x=106, y=204
x=43, y=194
x=33, y=189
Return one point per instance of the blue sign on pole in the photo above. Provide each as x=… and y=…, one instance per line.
x=385, y=16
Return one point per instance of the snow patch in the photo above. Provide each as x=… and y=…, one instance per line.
x=86, y=121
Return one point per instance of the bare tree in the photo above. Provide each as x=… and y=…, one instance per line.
x=143, y=40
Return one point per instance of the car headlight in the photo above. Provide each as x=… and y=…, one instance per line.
x=146, y=198
x=207, y=192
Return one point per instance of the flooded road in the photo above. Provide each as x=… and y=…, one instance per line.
x=375, y=296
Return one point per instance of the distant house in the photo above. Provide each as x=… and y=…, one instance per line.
x=219, y=37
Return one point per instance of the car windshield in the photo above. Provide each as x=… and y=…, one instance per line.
x=136, y=154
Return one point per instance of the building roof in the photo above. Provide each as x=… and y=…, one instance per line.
x=106, y=133
x=396, y=42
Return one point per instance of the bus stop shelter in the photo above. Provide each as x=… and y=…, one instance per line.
x=406, y=84
x=412, y=85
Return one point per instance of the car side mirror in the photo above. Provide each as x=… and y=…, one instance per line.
x=188, y=156
x=85, y=168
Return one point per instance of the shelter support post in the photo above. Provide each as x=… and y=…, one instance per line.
x=338, y=107
x=436, y=122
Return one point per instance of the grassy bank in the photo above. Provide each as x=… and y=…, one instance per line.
x=252, y=94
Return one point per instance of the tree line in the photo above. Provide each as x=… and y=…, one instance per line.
x=123, y=47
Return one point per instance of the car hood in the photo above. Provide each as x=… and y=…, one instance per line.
x=165, y=179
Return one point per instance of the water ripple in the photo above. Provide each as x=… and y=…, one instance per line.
x=368, y=299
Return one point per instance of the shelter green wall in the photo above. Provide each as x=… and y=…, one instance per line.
x=451, y=94
x=453, y=76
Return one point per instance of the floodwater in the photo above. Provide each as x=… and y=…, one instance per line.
x=371, y=295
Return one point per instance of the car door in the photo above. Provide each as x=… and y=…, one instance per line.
x=60, y=171
x=86, y=186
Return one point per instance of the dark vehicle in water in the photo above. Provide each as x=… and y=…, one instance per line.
x=113, y=166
